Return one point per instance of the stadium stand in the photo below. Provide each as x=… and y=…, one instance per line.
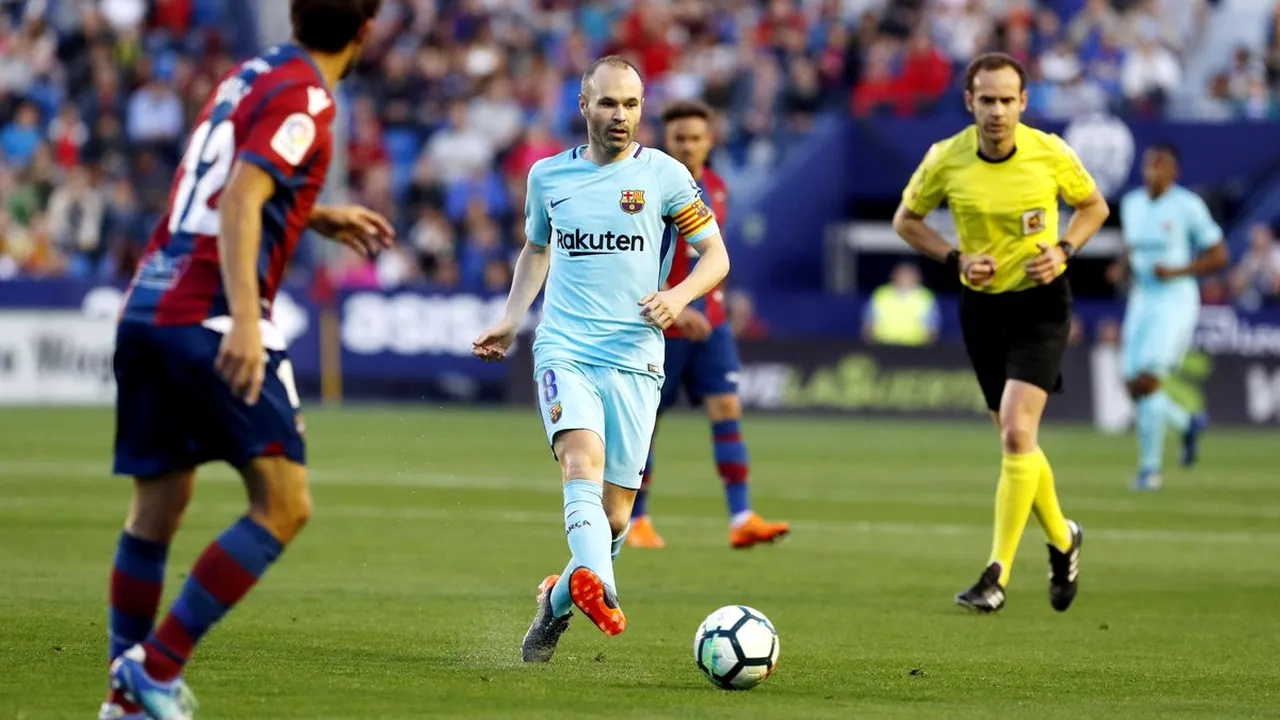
x=455, y=100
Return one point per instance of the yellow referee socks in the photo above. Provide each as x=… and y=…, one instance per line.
x=1016, y=493
x=1048, y=512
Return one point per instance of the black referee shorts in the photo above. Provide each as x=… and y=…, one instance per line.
x=1017, y=336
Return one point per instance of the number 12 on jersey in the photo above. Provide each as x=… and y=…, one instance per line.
x=205, y=168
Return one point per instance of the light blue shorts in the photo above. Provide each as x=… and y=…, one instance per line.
x=618, y=405
x=1156, y=336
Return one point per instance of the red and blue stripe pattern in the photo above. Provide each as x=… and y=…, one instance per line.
x=137, y=582
x=732, y=463
x=224, y=574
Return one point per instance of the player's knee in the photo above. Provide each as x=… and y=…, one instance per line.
x=284, y=513
x=279, y=497
x=158, y=507
x=619, y=518
x=1017, y=438
x=581, y=455
x=722, y=408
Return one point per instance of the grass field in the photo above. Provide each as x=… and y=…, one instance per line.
x=409, y=592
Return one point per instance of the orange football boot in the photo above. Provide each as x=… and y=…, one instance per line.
x=643, y=535
x=755, y=531
x=596, y=601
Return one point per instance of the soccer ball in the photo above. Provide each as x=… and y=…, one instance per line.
x=736, y=647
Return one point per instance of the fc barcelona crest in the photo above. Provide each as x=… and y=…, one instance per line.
x=632, y=201
x=555, y=413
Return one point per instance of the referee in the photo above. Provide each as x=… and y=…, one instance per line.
x=1002, y=181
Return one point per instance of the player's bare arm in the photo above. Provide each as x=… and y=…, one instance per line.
x=692, y=322
x=359, y=228
x=1210, y=261
x=660, y=309
x=978, y=269
x=526, y=283
x=241, y=360
x=1085, y=223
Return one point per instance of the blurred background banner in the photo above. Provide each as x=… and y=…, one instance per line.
x=824, y=108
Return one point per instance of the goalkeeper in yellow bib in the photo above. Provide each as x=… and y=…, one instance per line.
x=1002, y=181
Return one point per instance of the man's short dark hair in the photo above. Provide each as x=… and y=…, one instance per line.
x=329, y=26
x=612, y=60
x=684, y=109
x=1167, y=148
x=988, y=62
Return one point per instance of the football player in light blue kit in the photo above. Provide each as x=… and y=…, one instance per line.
x=601, y=223
x=1171, y=239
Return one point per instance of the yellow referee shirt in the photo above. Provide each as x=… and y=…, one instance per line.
x=1005, y=208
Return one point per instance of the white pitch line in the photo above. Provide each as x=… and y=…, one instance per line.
x=807, y=527
x=545, y=483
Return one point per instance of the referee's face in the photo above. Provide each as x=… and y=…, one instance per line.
x=997, y=100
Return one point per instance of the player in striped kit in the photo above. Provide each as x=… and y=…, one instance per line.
x=702, y=356
x=201, y=371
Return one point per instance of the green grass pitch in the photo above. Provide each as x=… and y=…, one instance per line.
x=408, y=594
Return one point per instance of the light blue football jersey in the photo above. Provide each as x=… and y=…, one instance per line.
x=611, y=232
x=1171, y=230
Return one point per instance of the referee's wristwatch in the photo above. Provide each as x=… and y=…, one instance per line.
x=952, y=261
x=1068, y=250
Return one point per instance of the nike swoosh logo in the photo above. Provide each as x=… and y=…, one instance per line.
x=554, y=203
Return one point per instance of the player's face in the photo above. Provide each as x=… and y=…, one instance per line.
x=997, y=101
x=612, y=106
x=689, y=141
x=1158, y=169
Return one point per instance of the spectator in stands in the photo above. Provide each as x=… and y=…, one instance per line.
x=1150, y=74
x=156, y=116
x=741, y=313
x=460, y=151
x=76, y=212
x=926, y=74
x=20, y=138
x=903, y=311
x=1255, y=280
x=1273, y=51
x=1244, y=69
x=1097, y=20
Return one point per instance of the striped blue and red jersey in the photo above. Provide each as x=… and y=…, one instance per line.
x=276, y=113
x=716, y=195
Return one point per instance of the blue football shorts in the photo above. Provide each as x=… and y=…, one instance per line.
x=174, y=412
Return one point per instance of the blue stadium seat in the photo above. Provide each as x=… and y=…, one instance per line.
x=403, y=145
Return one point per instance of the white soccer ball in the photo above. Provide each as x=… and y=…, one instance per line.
x=736, y=647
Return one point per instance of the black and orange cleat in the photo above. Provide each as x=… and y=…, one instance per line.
x=597, y=601
x=544, y=634
x=755, y=531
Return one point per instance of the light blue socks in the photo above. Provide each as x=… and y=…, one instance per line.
x=590, y=540
x=1156, y=412
x=1150, y=424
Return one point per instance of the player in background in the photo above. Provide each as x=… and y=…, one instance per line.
x=1171, y=239
x=1002, y=181
x=202, y=373
x=601, y=221
x=701, y=354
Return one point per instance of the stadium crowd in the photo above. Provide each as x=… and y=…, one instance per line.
x=455, y=100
